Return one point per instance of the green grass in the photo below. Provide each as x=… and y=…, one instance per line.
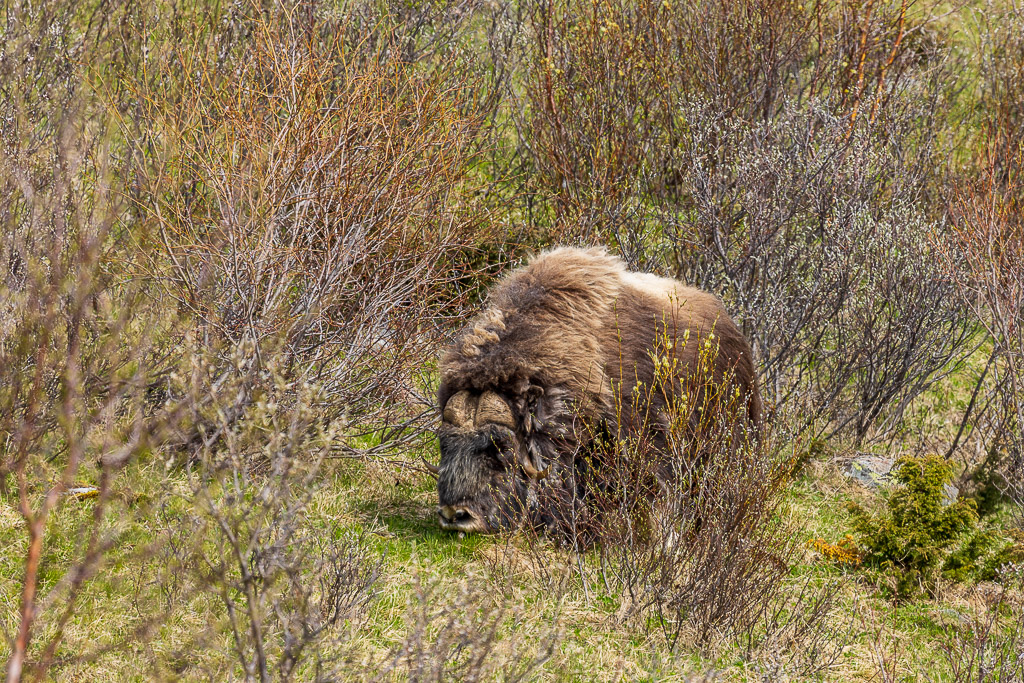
x=391, y=509
x=394, y=514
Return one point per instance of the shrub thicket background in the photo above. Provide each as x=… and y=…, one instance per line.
x=235, y=236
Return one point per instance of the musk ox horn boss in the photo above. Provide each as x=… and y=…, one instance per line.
x=562, y=352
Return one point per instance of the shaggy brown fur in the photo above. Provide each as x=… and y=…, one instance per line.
x=564, y=340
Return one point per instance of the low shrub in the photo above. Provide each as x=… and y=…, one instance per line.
x=685, y=515
x=982, y=556
x=924, y=532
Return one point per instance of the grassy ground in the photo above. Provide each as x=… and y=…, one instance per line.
x=424, y=569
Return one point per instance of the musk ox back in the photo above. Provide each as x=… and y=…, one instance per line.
x=574, y=350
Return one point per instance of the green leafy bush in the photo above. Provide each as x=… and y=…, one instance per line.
x=978, y=557
x=923, y=532
x=913, y=536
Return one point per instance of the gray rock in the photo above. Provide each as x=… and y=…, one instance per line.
x=870, y=470
x=949, y=494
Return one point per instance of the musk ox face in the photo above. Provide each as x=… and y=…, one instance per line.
x=482, y=484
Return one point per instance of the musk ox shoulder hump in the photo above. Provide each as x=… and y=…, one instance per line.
x=654, y=285
x=558, y=288
x=675, y=296
x=543, y=319
x=587, y=280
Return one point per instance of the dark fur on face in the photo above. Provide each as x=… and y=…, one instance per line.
x=477, y=486
x=563, y=342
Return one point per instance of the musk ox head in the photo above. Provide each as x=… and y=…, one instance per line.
x=484, y=483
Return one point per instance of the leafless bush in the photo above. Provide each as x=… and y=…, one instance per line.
x=716, y=566
x=302, y=217
x=691, y=541
x=78, y=349
x=850, y=314
x=984, y=254
x=1000, y=51
x=245, y=539
x=459, y=639
x=605, y=132
x=711, y=556
x=81, y=339
x=988, y=647
x=329, y=220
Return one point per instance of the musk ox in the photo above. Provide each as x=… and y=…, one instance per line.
x=565, y=350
